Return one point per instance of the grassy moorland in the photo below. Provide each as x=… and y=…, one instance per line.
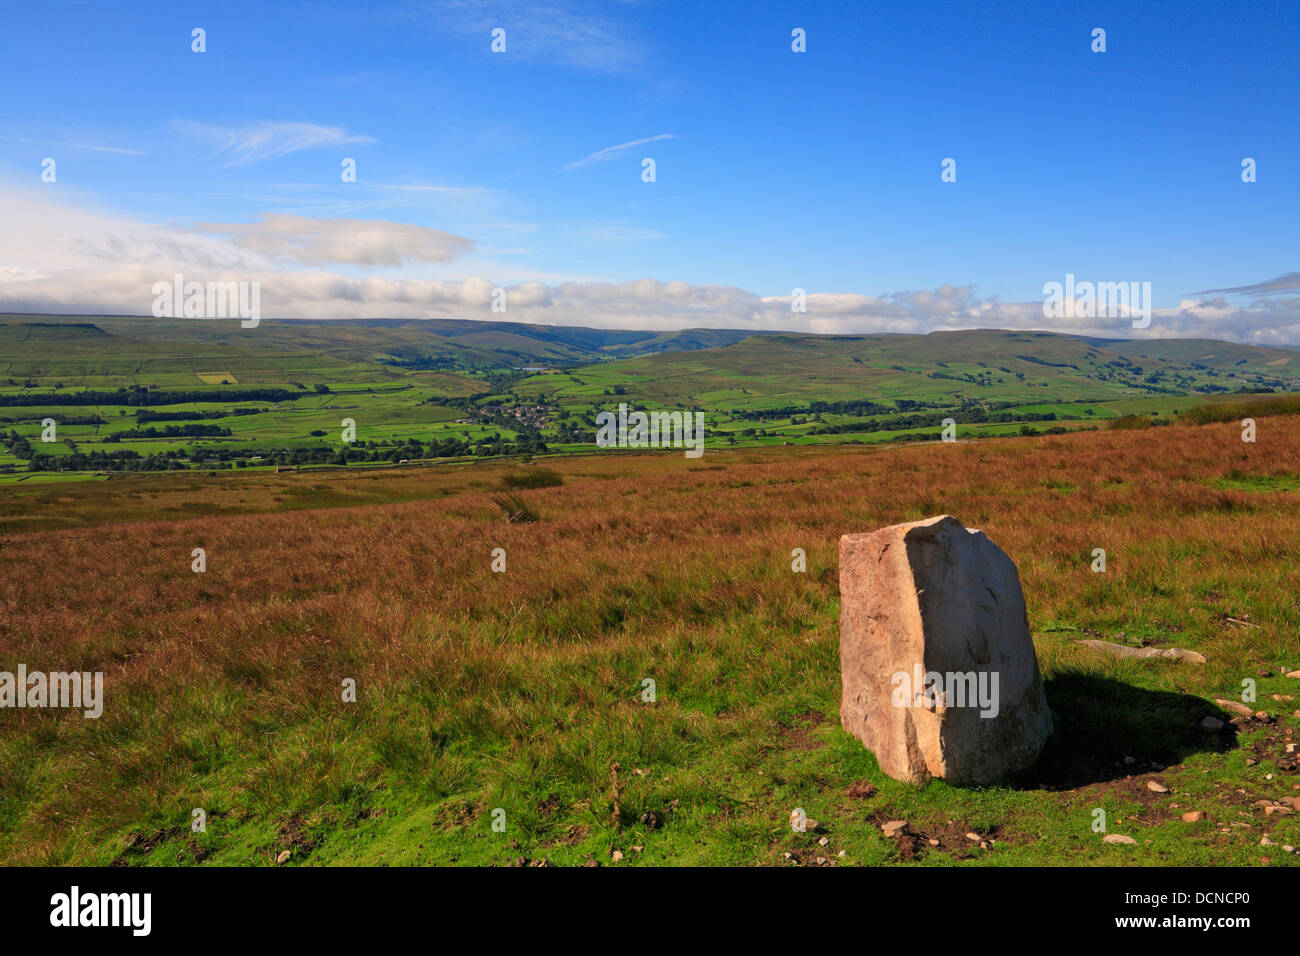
x=523, y=690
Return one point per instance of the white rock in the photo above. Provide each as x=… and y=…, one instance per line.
x=1235, y=706
x=1124, y=650
x=932, y=598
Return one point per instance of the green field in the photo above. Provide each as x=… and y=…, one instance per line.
x=132, y=394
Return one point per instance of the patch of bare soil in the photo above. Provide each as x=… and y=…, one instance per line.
x=293, y=838
x=798, y=732
x=861, y=790
x=137, y=846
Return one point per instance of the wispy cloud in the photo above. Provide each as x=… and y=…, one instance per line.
x=259, y=142
x=1283, y=283
x=55, y=142
x=556, y=33
x=612, y=152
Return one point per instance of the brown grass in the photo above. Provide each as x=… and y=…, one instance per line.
x=651, y=560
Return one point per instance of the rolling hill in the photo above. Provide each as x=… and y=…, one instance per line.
x=129, y=393
x=979, y=365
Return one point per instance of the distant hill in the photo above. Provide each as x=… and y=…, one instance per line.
x=27, y=331
x=561, y=342
x=407, y=343
x=736, y=367
x=1208, y=352
x=976, y=365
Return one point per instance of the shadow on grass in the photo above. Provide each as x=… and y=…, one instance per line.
x=1100, y=721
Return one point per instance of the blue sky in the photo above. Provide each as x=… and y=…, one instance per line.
x=775, y=169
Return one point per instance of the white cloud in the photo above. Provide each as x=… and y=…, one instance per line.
x=47, y=238
x=71, y=259
x=1283, y=283
x=358, y=242
x=611, y=152
x=259, y=142
x=54, y=142
x=552, y=33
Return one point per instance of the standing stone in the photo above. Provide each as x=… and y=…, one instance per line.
x=938, y=667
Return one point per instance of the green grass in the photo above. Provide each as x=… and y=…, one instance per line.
x=1240, y=481
x=520, y=691
x=1082, y=382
